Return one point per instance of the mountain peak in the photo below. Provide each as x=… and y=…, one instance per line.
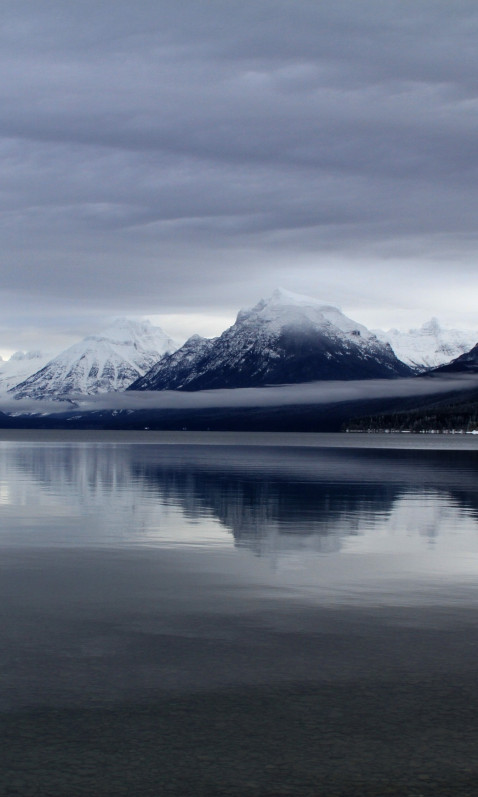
x=282, y=297
x=284, y=309
x=285, y=339
x=135, y=331
x=431, y=327
x=108, y=361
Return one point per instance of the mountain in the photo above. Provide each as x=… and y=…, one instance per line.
x=456, y=410
x=283, y=340
x=178, y=367
x=430, y=346
x=19, y=367
x=100, y=363
x=464, y=364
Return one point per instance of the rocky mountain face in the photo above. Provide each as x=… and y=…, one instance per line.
x=101, y=363
x=430, y=346
x=283, y=340
x=176, y=368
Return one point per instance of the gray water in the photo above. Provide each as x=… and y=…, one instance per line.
x=235, y=614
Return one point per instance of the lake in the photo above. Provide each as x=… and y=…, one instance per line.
x=250, y=615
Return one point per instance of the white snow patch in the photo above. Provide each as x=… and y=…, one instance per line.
x=20, y=366
x=108, y=361
x=429, y=346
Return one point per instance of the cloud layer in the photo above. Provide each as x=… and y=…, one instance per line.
x=310, y=393
x=164, y=157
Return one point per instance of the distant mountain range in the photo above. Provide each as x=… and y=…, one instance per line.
x=465, y=364
x=430, y=346
x=285, y=339
x=100, y=363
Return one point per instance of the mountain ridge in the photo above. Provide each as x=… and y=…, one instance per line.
x=466, y=363
x=285, y=339
x=20, y=366
x=103, y=362
x=429, y=346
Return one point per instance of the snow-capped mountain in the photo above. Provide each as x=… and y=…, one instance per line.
x=100, y=363
x=177, y=367
x=430, y=346
x=286, y=339
x=20, y=366
x=464, y=364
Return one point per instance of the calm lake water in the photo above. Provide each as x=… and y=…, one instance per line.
x=238, y=614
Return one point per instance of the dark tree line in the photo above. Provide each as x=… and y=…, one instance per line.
x=447, y=417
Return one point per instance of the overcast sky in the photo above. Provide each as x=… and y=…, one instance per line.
x=179, y=160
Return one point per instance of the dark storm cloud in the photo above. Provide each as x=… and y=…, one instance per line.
x=160, y=156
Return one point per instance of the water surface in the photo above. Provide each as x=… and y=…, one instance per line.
x=238, y=614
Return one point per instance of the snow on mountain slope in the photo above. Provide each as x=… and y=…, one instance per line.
x=285, y=307
x=177, y=367
x=466, y=363
x=20, y=366
x=429, y=346
x=100, y=363
x=283, y=340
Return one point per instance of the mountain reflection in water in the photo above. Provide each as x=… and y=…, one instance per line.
x=243, y=621
x=297, y=497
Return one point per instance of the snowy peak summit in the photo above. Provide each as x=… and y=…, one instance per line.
x=283, y=298
x=431, y=327
x=281, y=301
x=285, y=339
x=142, y=333
x=108, y=361
x=284, y=308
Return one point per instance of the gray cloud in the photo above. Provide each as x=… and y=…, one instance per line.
x=163, y=157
